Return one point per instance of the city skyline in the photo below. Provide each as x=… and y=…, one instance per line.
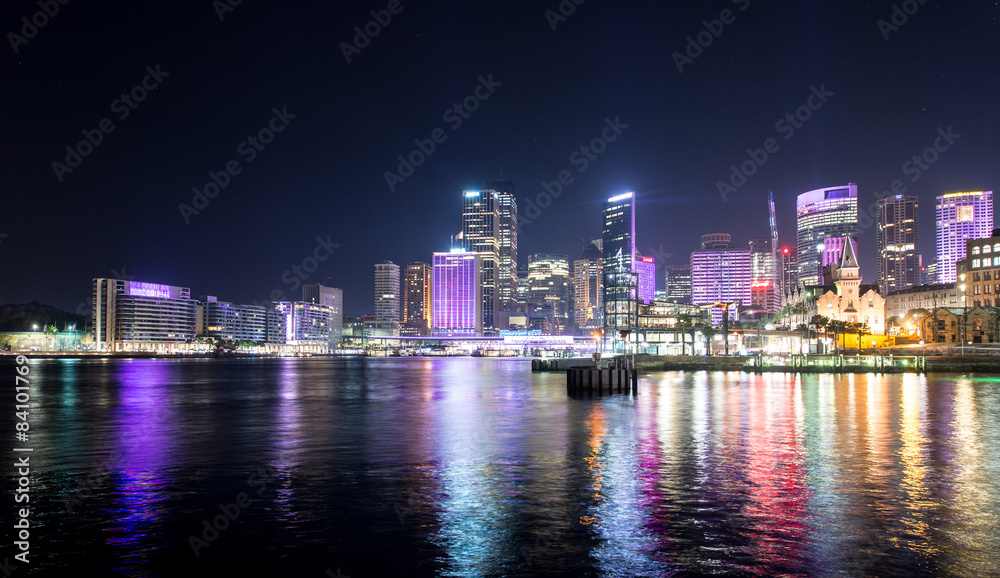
x=249, y=156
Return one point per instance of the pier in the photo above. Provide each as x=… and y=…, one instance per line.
x=886, y=362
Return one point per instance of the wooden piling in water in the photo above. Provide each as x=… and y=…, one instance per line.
x=602, y=380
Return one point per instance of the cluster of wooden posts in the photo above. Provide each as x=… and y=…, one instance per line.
x=622, y=378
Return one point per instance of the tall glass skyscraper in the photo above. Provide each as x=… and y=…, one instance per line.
x=823, y=213
x=618, y=234
x=960, y=216
x=505, y=192
x=620, y=283
x=898, y=262
x=457, y=297
x=489, y=227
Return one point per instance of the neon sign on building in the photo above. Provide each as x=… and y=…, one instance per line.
x=140, y=289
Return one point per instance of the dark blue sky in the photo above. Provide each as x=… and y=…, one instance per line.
x=553, y=91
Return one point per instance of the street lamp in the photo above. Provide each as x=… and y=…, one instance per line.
x=34, y=327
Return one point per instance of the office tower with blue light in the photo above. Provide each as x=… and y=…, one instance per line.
x=620, y=280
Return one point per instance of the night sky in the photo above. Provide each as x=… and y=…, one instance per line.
x=220, y=80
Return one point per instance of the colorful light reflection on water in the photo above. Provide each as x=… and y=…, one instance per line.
x=466, y=467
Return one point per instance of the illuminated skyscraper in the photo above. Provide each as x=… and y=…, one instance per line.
x=789, y=269
x=387, y=298
x=587, y=289
x=960, y=216
x=721, y=275
x=618, y=237
x=489, y=227
x=823, y=213
x=898, y=260
x=457, y=297
x=763, y=289
x=549, y=288
x=507, y=243
x=417, y=290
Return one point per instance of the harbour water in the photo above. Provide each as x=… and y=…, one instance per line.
x=477, y=467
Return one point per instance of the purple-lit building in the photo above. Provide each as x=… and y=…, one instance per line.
x=960, y=217
x=721, y=275
x=645, y=268
x=457, y=297
x=140, y=316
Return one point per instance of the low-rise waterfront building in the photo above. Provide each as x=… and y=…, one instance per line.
x=230, y=322
x=929, y=297
x=957, y=325
x=141, y=316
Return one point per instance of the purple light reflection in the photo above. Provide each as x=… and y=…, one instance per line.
x=144, y=426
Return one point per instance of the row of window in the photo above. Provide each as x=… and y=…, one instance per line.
x=932, y=296
x=986, y=288
x=986, y=262
x=986, y=249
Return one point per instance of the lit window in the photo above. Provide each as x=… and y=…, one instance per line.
x=987, y=262
x=986, y=249
x=975, y=250
x=975, y=263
